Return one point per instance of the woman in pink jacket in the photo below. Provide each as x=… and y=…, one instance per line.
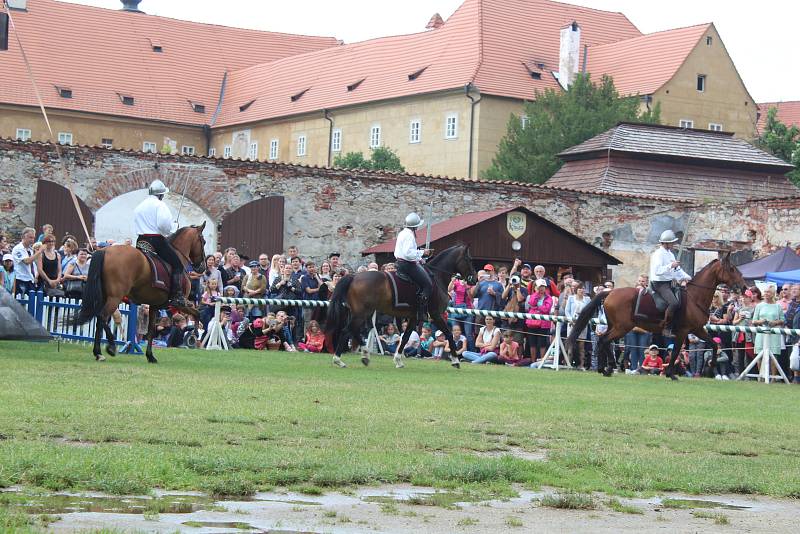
x=538, y=329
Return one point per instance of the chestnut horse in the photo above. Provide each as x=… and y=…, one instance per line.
x=692, y=317
x=357, y=297
x=123, y=271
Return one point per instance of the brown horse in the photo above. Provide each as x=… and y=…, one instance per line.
x=357, y=297
x=123, y=271
x=619, y=307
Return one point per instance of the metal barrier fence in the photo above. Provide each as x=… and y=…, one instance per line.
x=54, y=313
x=215, y=338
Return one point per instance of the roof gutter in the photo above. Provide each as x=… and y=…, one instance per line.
x=473, y=103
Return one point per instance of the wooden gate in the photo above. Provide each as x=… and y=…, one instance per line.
x=254, y=228
x=54, y=206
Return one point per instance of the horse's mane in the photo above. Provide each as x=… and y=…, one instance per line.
x=438, y=258
x=708, y=266
x=177, y=233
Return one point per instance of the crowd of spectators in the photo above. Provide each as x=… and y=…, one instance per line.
x=59, y=268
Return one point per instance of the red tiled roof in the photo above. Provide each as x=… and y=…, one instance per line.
x=101, y=53
x=445, y=228
x=788, y=113
x=643, y=64
x=485, y=42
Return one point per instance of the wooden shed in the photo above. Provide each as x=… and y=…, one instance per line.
x=499, y=236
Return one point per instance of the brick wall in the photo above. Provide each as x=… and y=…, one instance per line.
x=331, y=209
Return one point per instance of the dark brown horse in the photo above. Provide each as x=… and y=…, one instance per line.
x=123, y=271
x=619, y=307
x=357, y=297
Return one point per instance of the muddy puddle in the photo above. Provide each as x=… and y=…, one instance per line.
x=71, y=503
x=699, y=503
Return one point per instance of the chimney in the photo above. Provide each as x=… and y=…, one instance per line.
x=569, y=54
x=131, y=5
x=435, y=23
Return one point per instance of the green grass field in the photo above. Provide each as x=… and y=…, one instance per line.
x=232, y=423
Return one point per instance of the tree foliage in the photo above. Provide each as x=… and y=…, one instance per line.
x=381, y=159
x=557, y=120
x=781, y=141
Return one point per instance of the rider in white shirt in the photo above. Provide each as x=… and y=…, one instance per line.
x=664, y=270
x=153, y=223
x=410, y=259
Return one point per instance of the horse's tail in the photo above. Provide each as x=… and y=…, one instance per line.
x=93, y=298
x=338, y=312
x=583, y=319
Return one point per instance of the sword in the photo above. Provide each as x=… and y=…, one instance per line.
x=430, y=220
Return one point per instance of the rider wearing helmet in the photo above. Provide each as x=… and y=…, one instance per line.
x=153, y=222
x=664, y=270
x=410, y=259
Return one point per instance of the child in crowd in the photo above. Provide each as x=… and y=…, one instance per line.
x=389, y=339
x=163, y=329
x=315, y=339
x=283, y=329
x=412, y=346
x=207, y=299
x=652, y=363
x=682, y=363
x=425, y=341
x=461, y=342
x=439, y=345
x=509, y=350
x=723, y=370
x=695, y=350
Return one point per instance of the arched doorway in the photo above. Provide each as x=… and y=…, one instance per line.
x=114, y=220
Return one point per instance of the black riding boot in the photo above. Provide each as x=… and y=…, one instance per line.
x=176, y=298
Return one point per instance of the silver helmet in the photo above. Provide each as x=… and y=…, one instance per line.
x=413, y=220
x=157, y=188
x=667, y=236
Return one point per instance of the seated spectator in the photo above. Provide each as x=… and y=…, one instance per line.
x=163, y=330
x=439, y=345
x=412, y=346
x=682, y=363
x=487, y=343
x=283, y=329
x=389, y=339
x=723, y=369
x=425, y=341
x=224, y=323
x=177, y=334
x=315, y=338
x=461, y=342
x=652, y=363
x=509, y=350
x=251, y=332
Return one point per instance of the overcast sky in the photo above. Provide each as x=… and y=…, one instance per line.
x=759, y=37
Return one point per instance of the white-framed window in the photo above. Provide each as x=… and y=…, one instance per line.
x=107, y=142
x=714, y=127
x=227, y=150
x=148, y=146
x=686, y=123
x=523, y=121
x=212, y=152
x=701, y=82
x=336, y=140
x=273, y=149
x=451, y=126
x=64, y=138
x=252, y=151
x=301, y=145
x=414, y=131
x=23, y=134
x=187, y=150
x=375, y=136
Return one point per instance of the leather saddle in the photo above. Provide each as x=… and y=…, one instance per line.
x=404, y=291
x=160, y=271
x=650, y=305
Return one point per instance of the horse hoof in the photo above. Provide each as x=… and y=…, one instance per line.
x=152, y=360
x=608, y=372
x=111, y=350
x=99, y=357
x=338, y=362
x=365, y=361
x=399, y=365
x=673, y=377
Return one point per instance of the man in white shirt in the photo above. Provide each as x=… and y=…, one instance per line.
x=25, y=262
x=664, y=270
x=410, y=259
x=152, y=220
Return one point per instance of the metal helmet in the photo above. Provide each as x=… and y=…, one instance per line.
x=157, y=188
x=667, y=236
x=413, y=220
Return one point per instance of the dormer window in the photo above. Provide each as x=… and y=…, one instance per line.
x=416, y=74
x=64, y=92
x=127, y=100
x=156, y=46
x=534, y=69
x=353, y=86
x=246, y=105
x=296, y=97
x=197, y=107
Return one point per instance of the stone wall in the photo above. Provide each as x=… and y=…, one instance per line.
x=347, y=211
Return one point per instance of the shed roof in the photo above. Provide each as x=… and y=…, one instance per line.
x=104, y=54
x=680, y=144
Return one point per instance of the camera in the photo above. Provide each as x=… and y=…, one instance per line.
x=515, y=280
x=190, y=337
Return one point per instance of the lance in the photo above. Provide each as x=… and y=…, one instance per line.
x=430, y=221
